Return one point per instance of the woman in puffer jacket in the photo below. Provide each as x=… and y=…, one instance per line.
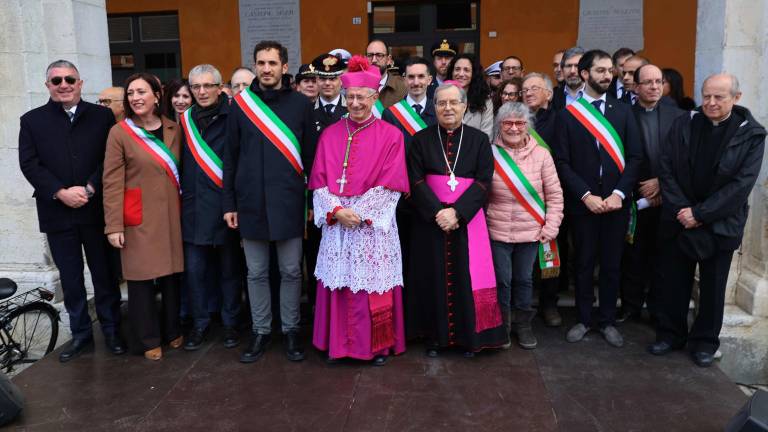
x=524, y=211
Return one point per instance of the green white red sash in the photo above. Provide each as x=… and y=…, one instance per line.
x=204, y=155
x=155, y=147
x=408, y=117
x=526, y=195
x=597, y=125
x=272, y=127
x=539, y=140
x=378, y=109
x=630, y=236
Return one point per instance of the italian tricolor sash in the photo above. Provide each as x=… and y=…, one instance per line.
x=272, y=127
x=539, y=140
x=204, y=155
x=378, y=109
x=526, y=195
x=156, y=148
x=594, y=121
x=407, y=117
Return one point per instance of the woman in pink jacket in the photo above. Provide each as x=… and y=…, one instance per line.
x=525, y=210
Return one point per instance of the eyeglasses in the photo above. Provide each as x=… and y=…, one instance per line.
x=207, y=86
x=452, y=103
x=57, y=80
x=358, y=98
x=376, y=55
x=657, y=82
x=105, y=102
x=534, y=89
x=510, y=94
x=507, y=124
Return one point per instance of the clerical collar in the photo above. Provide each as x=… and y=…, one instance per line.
x=411, y=101
x=363, y=122
x=335, y=102
x=718, y=123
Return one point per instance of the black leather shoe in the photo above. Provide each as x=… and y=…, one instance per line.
x=293, y=349
x=256, y=348
x=662, y=347
x=231, y=338
x=75, y=348
x=194, y=340
x=703, y=359
x=380, y=360
x=114, y=344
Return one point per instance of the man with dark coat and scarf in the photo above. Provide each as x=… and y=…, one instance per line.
x=271, y=144
x=708, y=167
x=212, y=253
x=452, y=299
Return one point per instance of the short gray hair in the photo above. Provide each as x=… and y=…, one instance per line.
x=60, y=64
x=735, y=87
x=442, y=87
x=511, y=109
x=571, y=52
x=547, y=81
x=206, y=68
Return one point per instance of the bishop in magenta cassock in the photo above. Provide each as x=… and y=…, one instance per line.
x=358, y=176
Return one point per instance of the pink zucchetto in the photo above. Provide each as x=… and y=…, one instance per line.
x=361, y=74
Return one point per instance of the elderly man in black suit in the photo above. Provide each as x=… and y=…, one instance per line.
x=61, y=151
x=708, y=167
x=598, y=156
x=640, y=270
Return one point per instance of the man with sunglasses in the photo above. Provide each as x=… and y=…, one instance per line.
x=61, y=151
x=112, y=98
x=392, y=88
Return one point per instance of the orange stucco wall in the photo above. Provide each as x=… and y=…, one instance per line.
x=529, y=30
x=534, y=32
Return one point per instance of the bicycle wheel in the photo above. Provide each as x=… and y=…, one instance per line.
x=28, y=333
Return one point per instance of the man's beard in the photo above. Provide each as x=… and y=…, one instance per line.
x=573, y=83
x=598, y=87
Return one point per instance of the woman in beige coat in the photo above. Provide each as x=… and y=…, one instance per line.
x=142, y=214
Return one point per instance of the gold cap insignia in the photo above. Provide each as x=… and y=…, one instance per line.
x=330, y=61
x=311, y=68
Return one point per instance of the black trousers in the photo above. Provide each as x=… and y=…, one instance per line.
x=675, y=286
x=640, y=273
x=598, y=238
x=150, y=327
x=549, y=288
x=67, y=251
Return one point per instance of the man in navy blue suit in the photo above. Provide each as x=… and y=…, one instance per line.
x=598, y=155
x=61, y=152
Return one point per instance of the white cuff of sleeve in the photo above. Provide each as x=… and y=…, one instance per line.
x=619, y=193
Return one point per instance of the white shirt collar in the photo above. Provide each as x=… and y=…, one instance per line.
x=335, y=102
x=590, y=99
x=73, y=109
x=410, y=101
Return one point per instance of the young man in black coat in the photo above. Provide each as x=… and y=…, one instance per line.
x=271, y=145
x=598, y=169
x=61, y=152
x=708, y=168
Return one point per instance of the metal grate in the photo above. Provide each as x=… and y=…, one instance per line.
x=158, y=28
x=120, y=29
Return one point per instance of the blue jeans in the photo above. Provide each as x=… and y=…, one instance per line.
x=513, y=263
x=213, y=271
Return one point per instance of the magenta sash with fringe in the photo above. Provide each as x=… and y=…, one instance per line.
x=482, y=276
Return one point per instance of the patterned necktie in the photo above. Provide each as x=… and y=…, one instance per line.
x=71, y=115
x=417, y=108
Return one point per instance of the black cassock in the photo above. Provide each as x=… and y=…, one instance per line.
x=440, y=305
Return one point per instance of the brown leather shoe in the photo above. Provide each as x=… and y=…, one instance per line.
x=154, y=354
x=177, y=343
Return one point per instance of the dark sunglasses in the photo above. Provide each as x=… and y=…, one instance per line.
x=69, y=79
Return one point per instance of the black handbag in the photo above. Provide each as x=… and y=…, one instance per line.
x=697, y=244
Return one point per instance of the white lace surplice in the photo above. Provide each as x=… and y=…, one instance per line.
x=365, y=258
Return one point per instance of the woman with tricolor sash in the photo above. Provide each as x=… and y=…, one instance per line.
x=525, y=209
x=142, y=212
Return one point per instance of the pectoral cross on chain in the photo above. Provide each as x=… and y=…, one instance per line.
x=452, y=182
x=342, y=181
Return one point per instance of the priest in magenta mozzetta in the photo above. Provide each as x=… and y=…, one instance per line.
x=358, y=176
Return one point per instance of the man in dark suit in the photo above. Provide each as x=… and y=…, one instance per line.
x=620, y=56
x=598, y=155
x=61, y=152
x=639, y=275
x=708, y=168
x=574, y=85
x=631, y=65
